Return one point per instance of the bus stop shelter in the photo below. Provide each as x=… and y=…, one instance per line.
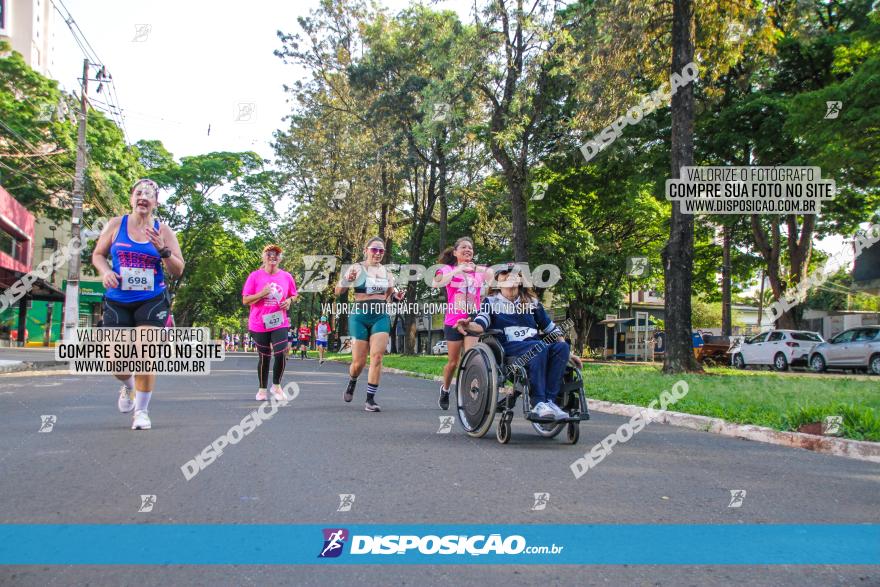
x=41, y=290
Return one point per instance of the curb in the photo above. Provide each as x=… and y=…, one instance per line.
x=394, y=371
x=412, y=374
x=842, y=447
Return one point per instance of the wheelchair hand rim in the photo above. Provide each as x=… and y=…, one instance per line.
x=477, y=390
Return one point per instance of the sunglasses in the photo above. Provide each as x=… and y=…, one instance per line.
x=376, y=250
x=271, y=255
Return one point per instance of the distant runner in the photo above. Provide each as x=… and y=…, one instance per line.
x=305, y=336
x=322, y=331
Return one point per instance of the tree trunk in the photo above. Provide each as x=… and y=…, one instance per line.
x=444, y=205
x=678, y=254
x=409, y=328
x=519, y=217
x=444, y=221
x=394, y=348
x=771, y=249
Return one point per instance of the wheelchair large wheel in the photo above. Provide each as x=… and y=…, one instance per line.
x=476, y=395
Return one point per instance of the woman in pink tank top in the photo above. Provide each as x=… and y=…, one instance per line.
x=465, y=283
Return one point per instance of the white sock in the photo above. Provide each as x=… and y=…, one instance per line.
x=141, y=400
x=129, y=383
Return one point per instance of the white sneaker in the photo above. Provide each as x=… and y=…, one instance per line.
x=278, y=393
x=558, y=412
x=141, y=421
x=125, y=402
x=261, y=395
x=542, y=410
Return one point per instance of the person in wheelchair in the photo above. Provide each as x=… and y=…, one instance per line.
x=515, y=310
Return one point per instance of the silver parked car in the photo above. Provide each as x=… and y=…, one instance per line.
x=439, y=348
x=856, y=348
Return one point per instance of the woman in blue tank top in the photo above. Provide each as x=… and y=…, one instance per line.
x=141, y=251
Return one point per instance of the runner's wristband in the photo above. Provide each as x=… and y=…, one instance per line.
x=165, y=252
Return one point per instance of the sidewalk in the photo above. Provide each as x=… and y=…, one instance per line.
x=27, y=359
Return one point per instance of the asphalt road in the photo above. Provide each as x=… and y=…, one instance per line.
x=92, y=469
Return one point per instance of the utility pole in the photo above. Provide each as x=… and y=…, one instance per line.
x=71, y=294
x=726, y=318
x=761, y=301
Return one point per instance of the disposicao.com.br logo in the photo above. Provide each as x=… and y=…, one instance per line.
x=334, y=540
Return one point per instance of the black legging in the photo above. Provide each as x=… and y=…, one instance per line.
x=271, y=343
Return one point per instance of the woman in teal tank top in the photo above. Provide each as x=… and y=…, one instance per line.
x=370, y=324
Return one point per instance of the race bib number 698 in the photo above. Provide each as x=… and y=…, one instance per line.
x=136, y=279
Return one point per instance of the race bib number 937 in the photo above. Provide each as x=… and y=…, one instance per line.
x=518, y=333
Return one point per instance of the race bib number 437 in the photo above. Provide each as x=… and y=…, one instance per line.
x=136, y=279
x=273, y=320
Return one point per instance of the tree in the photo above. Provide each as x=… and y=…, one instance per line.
x=678, y=254
x=414, y=76
x=519, y=66
x=214, y=199
x=38, y=136
x=774, y=115
x=590, y=221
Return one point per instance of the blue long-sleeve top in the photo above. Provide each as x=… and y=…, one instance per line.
x=516, y=320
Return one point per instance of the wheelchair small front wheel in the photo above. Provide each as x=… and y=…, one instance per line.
x=572, y=432
x=503, y=431
x=548, y=429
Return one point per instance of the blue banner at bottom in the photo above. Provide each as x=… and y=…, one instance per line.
x=157, y=544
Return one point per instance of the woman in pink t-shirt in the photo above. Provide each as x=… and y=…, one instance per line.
x=269, y=292
x=464, y=283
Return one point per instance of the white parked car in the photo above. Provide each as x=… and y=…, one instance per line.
x=779, y=348
x=856, y=348
x=439, y=348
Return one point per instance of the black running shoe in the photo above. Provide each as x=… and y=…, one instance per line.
x=371, y=406
x=349, y=391
x=443, y=402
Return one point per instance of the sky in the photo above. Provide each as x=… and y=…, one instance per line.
x=184, y=65
x=180, y=66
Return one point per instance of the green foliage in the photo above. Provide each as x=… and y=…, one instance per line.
x=38, y=135
x=837, y=293
x=705, y=314
x=590, y=220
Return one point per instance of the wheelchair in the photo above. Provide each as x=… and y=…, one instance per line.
x=488, y=382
